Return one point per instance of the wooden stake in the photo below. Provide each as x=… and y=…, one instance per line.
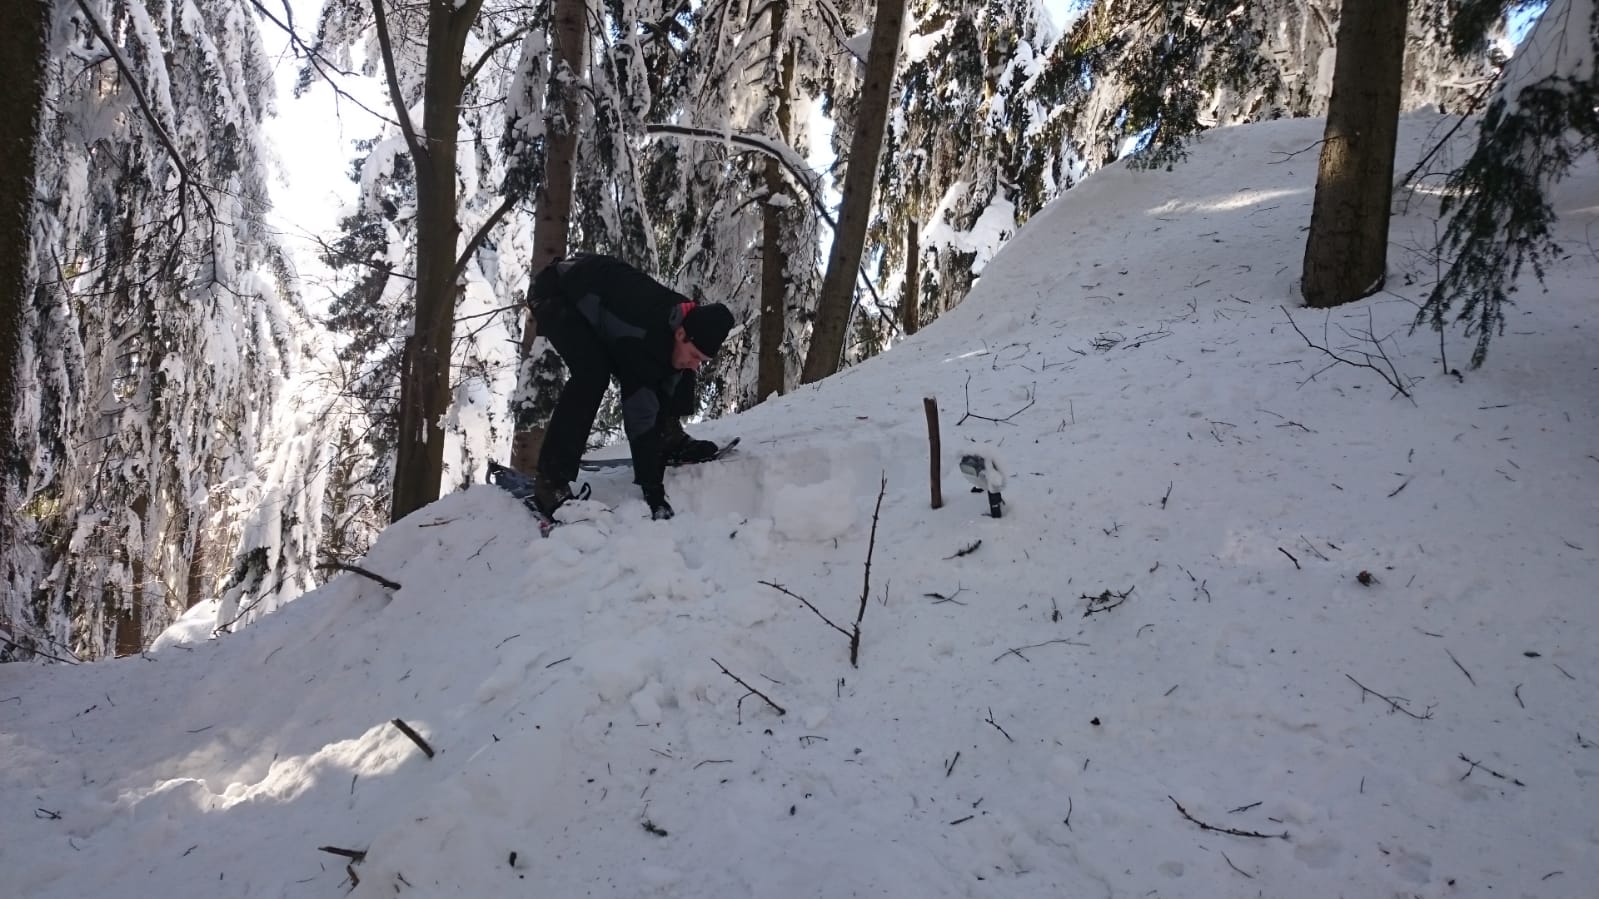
x=935, y=465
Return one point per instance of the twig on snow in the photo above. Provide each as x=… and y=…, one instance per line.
x=779, y=709
x=1460, y=666
x=1387, y=371
x=1017, y=652
x=966, y=550
x=990, y=720
x=866, y=583
x=1226, y=830
x=1104, y=600
x=1032, y=397
x=1236, y=868
x=355, y=855
x=1395, y=704
x=1475, y=765
x=782, y=589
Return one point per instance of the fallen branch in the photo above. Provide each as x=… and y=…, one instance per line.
x=1460, y=666
x=990, y=720
x=939, y=597
x=966, y=550
x=1104, y=599
x=1391, y=374
x=1226, y=830
x=1236, y=868
x=1289, y=555
x=1475, y=765
x=1394, y=704
x=355, y=855
x=1017, y=652
x=1032, y=397
x=779, y=709
x=415, y=737
x=356, y=569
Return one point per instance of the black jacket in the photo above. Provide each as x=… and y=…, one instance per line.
x=635, y=318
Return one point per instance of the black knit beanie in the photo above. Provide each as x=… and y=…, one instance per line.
x=707, y=326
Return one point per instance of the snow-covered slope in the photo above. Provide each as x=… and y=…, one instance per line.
x=1015, y=727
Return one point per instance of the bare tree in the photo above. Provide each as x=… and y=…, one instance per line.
x=833, y=311
x=554, y=222
x=425, y=362
x=1346, y=253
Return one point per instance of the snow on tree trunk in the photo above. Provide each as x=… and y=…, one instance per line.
x=425, y=362
x=541, y=381
x=771, y=378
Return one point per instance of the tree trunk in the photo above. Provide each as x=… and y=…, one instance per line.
x=553, y=224
x=1346, y=254
x=770, y=376
x=22, y=53
x=836, y=304
x=130, y=611
x=425, y=363
x=910, y=301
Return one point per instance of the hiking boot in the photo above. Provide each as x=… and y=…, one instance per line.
x=692, y=451
x=549, y=495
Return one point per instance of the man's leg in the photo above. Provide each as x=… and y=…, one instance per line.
x=588, y=374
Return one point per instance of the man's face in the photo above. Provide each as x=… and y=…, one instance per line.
x=685, y=355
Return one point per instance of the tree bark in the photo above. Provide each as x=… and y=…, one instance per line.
x=910, y=301
x=22, y=55
x=425, y=363
x=130, y=609
x=1346, y=253
x=833, y=310
x=552, y=226
x=770, y=376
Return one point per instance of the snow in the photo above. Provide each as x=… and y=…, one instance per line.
x=1218, y=557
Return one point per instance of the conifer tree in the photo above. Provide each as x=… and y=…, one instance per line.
x=1543, y=116
x=1346, y=253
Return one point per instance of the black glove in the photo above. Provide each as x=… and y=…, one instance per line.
x=660, y=509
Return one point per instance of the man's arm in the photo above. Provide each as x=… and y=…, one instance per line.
x=641, y=420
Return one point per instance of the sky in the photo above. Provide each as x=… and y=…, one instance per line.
x=1252, y=623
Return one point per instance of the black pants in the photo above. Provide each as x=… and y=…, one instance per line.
x=588, y=373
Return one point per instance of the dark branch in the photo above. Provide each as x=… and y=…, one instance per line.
x=1226, y=830
x=777, y=708
x=356, y=569
x=415, y=737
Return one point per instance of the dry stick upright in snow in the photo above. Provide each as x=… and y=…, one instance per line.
x=934, y=473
